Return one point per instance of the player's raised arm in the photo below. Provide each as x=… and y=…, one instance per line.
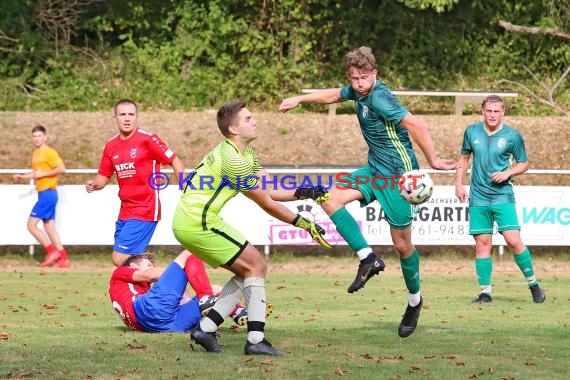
x=277, y=210
x=325, y=96
x=149, y=275
x=315, y=192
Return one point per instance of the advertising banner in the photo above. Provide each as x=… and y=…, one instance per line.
x=89, y=219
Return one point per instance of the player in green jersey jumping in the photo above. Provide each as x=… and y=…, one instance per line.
x=493, y=146
x=386, y=127
x=228, y=169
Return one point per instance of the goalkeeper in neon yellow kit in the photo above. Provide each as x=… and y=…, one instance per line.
x=228, y=169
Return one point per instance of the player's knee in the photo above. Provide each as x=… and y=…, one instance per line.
x=258, y=268
x=119, y=258
x=516, y=247
x=404, y=248
x=261, y=268
x=334, y=202
x=32, y=224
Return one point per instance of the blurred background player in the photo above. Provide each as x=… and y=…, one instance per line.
x=494, y=145
x=46, y=166
x=386, y=126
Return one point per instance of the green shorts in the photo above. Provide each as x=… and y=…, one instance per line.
x=383, y=189
x=481, y=218
x=216, y=246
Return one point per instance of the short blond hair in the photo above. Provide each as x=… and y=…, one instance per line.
x=492, y=99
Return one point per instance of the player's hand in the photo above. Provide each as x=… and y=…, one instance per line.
x=460, y=193
x=500, y=177
x=316, y=193
x=90, y=186
x=444, y=164
x=288, y=104
x=314, y=229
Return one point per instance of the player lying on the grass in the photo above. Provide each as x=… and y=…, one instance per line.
x=165, y=306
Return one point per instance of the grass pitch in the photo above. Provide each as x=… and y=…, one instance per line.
x=59, y=324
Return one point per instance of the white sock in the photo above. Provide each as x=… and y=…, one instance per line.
x=227, y=300
x=486, y=289
x=207, y=325
x=229, y=297
x=255, y=337
x=414, y=299
x=364, y=252
x=254, y=295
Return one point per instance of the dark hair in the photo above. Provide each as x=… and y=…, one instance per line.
x=126, y=101
x=134, y=259
x=227, y=115
x=39, y=128
x=361, y=59
x=492, y=99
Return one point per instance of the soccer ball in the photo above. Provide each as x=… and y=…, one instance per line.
x=417, y=187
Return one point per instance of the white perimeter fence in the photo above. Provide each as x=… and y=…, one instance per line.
x=89, y=219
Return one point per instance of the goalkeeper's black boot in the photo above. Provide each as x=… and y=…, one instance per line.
x=261, y=348
x=205, y=339
x=370, y=266
x=410, y=319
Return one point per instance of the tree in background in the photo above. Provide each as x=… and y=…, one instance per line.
x=194, y=54
x=556, y=24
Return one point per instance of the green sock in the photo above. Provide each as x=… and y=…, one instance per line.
x=411, y=271
x=484, y=267
x=524, y=262
x=349, y=229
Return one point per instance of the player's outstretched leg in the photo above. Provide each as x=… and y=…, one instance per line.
x=370, y=266
x=410, y=319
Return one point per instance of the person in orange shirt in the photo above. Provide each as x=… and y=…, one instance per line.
x=46, y=166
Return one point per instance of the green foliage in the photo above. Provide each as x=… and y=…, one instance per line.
x=437, y=5
x=193, y=54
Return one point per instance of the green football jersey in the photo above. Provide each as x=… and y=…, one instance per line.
x=491, y=153
x=221, y=175
x=379, y=113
